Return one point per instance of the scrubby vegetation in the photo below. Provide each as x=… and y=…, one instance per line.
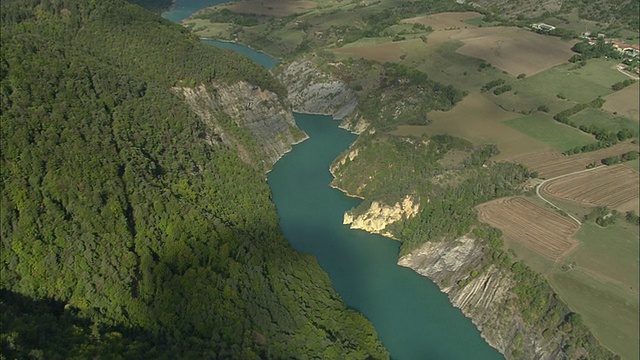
x=447, y=194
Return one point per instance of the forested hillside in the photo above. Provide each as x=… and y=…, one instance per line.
x=124, y=231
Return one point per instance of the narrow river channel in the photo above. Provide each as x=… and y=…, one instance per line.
x=414, y=320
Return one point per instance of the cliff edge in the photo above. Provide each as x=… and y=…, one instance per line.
x=226, y=108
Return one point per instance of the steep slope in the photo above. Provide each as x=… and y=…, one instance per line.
x=138, y=216
x=515, y=309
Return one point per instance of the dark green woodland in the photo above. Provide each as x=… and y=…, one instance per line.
x=125, y=234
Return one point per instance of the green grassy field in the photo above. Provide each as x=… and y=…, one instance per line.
x=605, y=120
x=603, y=286
x=552, y=85
x=542, y=127
x=634, y=164
x=442, y=63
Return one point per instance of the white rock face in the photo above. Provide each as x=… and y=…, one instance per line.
x=484, y=297
x=379, y=215
x=313, y=91
x=256, y=110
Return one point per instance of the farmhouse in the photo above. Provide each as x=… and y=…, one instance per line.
x=543, y=27
x=628, y=50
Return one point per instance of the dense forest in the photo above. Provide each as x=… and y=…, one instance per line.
x=124, y=232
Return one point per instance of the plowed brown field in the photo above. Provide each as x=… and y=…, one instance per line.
x=537, y=228
x=612, y=186
x=549, y=163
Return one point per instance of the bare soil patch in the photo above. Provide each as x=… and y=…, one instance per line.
x=270, y=7
x=613, y=186
x=624, y=102
x=518, y=51
x=445, y=20
x=541, y=230
x=386, y=52
x=549, y=163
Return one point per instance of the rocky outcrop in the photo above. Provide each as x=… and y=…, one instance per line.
x=225, y=108
x=483, y=295
x=312, y=91
x=379, y=215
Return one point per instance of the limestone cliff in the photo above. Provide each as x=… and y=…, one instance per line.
x=228, y=108
x=312, y=91
x=379, y=215
x=484, y=296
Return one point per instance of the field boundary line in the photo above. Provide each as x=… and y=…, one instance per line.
x=558, y=177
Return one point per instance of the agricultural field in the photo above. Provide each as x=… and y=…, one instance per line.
x=541, y=230
x=562, y=86
x=518, y=51
x=614, y=186
x=558, y=136
x=270, y=7
x=442, y=63
x=385, y=52
x=624, y=102
x=599, y=279
x=446, y=20
x=605, y=120
x=478, y=120
x=204, y=29
x=549, y=163
x=602, y=284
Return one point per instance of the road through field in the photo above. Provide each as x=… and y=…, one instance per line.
x=558, y=177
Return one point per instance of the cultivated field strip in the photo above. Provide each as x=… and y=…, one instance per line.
x=612, y=186
x=549, y=163
x=537, y=228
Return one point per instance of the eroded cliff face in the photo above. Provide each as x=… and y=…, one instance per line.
x=379, y=216
x=226, y=108
x=483, y=295
x=312, y=91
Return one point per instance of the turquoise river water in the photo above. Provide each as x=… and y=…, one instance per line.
x=414, y=320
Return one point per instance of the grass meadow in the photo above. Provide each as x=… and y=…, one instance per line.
x=542, y=127
x=605, y=120
x=603, y=285
x=560, y=87
x=633, y=164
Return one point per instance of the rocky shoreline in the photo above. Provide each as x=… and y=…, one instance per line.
x=481, y=290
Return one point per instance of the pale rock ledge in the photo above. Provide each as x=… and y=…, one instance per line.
x=379, y=215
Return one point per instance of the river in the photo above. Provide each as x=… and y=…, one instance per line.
x=414, y=320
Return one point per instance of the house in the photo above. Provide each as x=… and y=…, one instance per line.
x=543, y=27
x=627, y=50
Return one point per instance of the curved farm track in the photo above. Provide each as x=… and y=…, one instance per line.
x=537, y=228
x=613, y=186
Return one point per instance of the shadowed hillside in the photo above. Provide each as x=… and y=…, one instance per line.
x=122, y=207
